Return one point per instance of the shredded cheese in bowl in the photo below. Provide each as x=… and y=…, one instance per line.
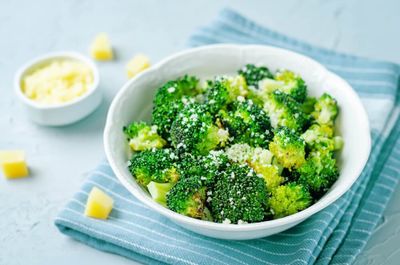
x=57, y=81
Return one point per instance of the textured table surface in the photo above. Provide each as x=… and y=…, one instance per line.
x=60, y=157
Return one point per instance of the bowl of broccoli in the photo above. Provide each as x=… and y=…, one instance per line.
x=237, y=141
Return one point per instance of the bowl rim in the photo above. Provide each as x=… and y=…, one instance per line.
x=294, y=218
x=48, y=57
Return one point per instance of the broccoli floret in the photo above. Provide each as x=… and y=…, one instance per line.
x=289, y=199
x=255, y=96
x=154, y=165
x=268, y=85
x=164, y=114
x=308, y=105
x=207, y=216
x=170, y=99
x=194, y=130
x=319, y=137
x=319, y=172
x=205, y=167
x=338, y=142
x=247, y=123
x=288, y=148
x=261, y=161
x=237, y=86
x=254, y=74
x=294, y=85
x=142, y=136
x=187, y=197
x=176, y=89
x=223, y=91
x=238, y=195
x=325, y=110
x=217, y=96
x=285, y=111
x=271, y=175
x=158, y=191
x=286, y=82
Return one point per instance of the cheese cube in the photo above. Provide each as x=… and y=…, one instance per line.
x=138, y=63
x=99, y=204
x=101, y=48
x=13, y=164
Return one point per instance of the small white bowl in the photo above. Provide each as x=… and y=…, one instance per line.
x=63, y=113
x=134, y=101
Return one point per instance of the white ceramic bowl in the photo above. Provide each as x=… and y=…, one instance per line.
x=64, y=113
x=134, y=103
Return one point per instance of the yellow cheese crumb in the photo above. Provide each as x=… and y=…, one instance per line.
x=101, y=48
x=57, y=82
x=99, y=204
x=138, y=64
x=13, y=164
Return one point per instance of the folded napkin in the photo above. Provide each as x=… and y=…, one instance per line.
x=335, y=235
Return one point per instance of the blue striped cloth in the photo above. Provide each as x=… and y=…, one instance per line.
x=336, y=235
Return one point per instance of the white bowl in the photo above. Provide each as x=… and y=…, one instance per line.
x=64, y=113
x=134, y=102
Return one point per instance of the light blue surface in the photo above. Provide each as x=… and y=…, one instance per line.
x=336, y=235
x=158, y=28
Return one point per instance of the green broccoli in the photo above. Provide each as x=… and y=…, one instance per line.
x=142, y=136
x=223, y=91
x=280, y=168
x=205, y=167
x=256, y=97
x=319, y=172
x=247, y=123
x=237, y=86
x=217, y=96
x=285, y=111
x=207, y=216
x=158, y=191
x=261, y=161
x=319, y=137
x=254, y=74
x=288, y=148
x=271, y=175
x=325, y=110
x=286, y=82
x=338, y=142
x=170, y=99
x=294, y=85
x=238, y=195
x=308, y=105
x=194, y=130
x=289, y=199
x=187, y=197
x=156, y=165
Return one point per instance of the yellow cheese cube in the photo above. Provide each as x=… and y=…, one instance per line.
x=101, y=48
x=99, y=204
x=13, y=164
x=138, y=63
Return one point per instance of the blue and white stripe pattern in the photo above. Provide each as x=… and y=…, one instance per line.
x=336, y=235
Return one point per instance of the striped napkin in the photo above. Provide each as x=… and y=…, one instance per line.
x=336, y=235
